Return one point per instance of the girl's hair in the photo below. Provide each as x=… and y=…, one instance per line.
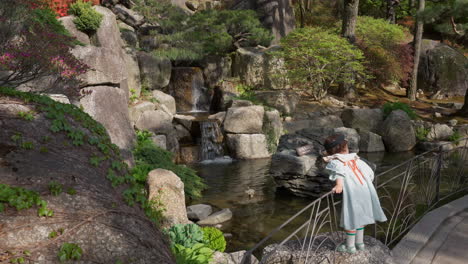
x=335, y=146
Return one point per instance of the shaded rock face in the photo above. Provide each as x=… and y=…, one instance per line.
x=273, y=125
x=330, y=121
x=248, y=146
x=216, y=69
x=166, y=187
x=114, y=116
x=397, y=132
x=278, y=15
x=222, y=95
x=370, y=142
x=187, y=87
x=96, y=217
x=442, y=70
x=363, y=119
x=199, y=211
x=244, y=120
x=284, y=101
x=323, y=248
x=155, y=72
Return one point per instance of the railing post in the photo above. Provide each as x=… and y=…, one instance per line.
x=376, y=178
x=438, y=174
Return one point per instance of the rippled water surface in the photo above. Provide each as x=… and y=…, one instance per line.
x=256, y=217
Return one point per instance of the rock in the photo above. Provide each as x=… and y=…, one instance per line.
x=187, y=87
x=272, y=125
x=160, y=141
x=256, y=68
x=185, y=120
x=453, y=122
x=370, y=142
x=128, y=16
x=323, y=247
x=244, y=120
x=149, y=43
x=223, y=94
x=287, y=162
x=437, y=115
x=128, y=35
x=442, y=70
x=219, y=117
x=156, y=121
x=189, y=154
x=167, y=188
x=216, y=69
x=166, y=100
x=172, y=143
x=363, y=119
x=108, y=33
x=155, y=71
x=330, y=121
x=248, y=146
x=67, y=22
x=183, y=135
x=137, y=110
x=106, y=65
x=132, y=72
x=284, y=101
x=61, y=98
x=231, y=258
x=462, y=130
x=192, y=5
x=239, y=103
x=199, y=211
x=107, y=105
x=116, y=232
x=397, y=132
x=435, y=146
x=351, y=135
x=217, y=218
x=439, y=132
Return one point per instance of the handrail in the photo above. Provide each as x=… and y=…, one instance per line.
x=430, y=167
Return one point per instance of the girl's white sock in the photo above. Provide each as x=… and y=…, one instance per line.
x=350, y=238
x=360, y=235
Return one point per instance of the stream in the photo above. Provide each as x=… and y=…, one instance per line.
x=255, y=218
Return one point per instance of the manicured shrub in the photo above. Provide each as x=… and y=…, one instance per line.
x=388, y=107
x=316, y=59
x=186, y=235
x=214, y=238
x=87, y=19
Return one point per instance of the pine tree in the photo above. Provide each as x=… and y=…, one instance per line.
x=450, y=18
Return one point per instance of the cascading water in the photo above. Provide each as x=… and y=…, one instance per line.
x=211, y=140
x=200, y=97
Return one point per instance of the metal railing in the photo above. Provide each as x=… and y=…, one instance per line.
x=407, y=192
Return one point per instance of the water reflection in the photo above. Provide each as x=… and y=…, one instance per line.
x=255, y=217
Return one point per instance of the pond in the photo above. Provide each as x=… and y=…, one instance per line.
x=254, y=218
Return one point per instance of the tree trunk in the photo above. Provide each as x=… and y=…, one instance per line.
x=350, y=15
x=411, y=93
x=391, y=15
x=301, y=10
x=348, y=30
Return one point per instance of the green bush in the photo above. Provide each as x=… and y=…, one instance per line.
x=388, y=107
x=421, y=133
x=316, y=59
x=214, y=238
x=198, y=254
x=455, y=136
x=46, y=17
x=69, y=251
x=186, y=235
x=87, y=19
x=148, y=157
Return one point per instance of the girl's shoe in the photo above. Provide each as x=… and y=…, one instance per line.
x=360, y=246
x=344, y=248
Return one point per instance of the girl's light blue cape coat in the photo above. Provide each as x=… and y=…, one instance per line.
x=361, y=205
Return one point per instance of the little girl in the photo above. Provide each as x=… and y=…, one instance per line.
x=353, y=177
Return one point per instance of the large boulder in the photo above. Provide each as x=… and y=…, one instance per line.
x=217, y=218
x=128, y=16
x=363, y=119
x=107, y=105
x=284, y=101
x=257, y=68
x=67, y=22
x=155, y=71
x=187, y=86
x=216, y=69
x=248, y=146
x=397, y=132
x=132, y=72
x=166, y=100
x=223, y=93
x=94, y=216
x=244, y=120
x=439, y=132
x=156, y=121
x=370, y=142
x=137, y=110
x=167, y=188
x=108, y=33
x=273, y=126
x=329, y=121
x=442, y=70
x=198, y=212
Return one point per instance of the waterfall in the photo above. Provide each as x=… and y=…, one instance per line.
x=200, y=97
x=211, y=140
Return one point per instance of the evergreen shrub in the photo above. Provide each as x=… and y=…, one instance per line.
x=87, y=19
x=214, y=238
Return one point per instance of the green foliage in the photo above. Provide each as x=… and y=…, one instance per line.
x=55, y=188
x=21, y=198
x=53, y=234
x=421, y=133
x=28, y=116
x=18, y=260
x=27, y=145
x=455, y=136
x=438, y=14
x=214, y=238
x=71, y=191
x=207, y=32
x=388, y=107
x=87, y=19
x=186, y=235
x=148, y=157
x=46, y=17
x=198, y=254
x=316, y=59
x=69, y=251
